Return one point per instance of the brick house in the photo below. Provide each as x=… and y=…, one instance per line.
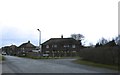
x=6, y=50
x=25, y=48
x=13, y=49
x=10, y=50
x=58, y=47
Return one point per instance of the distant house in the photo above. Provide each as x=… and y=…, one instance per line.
x=10, y=50
x=6, y=50
x=111, y=43
x=58, y=47
x=13, y=49
x=25, y=48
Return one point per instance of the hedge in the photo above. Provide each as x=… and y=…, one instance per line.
x=104, y=55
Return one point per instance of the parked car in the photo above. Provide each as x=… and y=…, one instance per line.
x=4, y=53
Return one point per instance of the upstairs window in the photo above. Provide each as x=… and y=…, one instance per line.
x=66, y=46
x=22, y=48
x=73, y=46
x=54, y=46
x=47, y=46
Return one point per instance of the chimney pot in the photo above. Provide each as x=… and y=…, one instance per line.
x=28, y=41
x=61, y=36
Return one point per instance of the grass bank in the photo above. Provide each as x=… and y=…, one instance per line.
x=89, y=63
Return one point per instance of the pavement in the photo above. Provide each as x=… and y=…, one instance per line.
x=0, y=65
x=24, y=65
x=0, y=68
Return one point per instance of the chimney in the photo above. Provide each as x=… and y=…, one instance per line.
x=61, y=36
x=28, y=41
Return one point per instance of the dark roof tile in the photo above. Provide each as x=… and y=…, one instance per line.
x=61, y=41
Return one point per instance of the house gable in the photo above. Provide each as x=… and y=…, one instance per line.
x=27, y=45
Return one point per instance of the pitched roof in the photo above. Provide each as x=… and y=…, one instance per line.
x=28, y=44
x=13, y=46
x=61, y=41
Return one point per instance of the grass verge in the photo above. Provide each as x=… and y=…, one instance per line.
x=2, y=58
x=33, y=57
x=37, y=57
x=89, y=63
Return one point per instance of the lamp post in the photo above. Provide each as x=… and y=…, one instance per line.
x=39, y=39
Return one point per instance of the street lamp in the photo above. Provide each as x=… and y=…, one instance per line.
x=39, y=39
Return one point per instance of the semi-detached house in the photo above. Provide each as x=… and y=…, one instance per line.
x=59, y=47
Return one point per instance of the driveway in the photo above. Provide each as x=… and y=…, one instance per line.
x=25, y=65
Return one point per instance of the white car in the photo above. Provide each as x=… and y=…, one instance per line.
x=4, y=53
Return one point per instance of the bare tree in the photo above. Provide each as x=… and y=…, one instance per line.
x=77, y=36
x=117, y=39
x=103, y=41
x=73, y=36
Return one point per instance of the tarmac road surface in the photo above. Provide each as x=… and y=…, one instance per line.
x=14, y=64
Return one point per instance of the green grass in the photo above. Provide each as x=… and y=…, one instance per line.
x=89, y=63
x=2, y=58
x=33, y=57
x=37, y=57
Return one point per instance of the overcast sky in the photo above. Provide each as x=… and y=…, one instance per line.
x=20, y=19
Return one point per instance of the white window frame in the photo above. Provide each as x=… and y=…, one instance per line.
x=47, y=46
x=73, y=46
x=55, y=46
x=66, y=46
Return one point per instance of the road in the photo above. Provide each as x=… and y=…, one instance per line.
x=24, y=65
